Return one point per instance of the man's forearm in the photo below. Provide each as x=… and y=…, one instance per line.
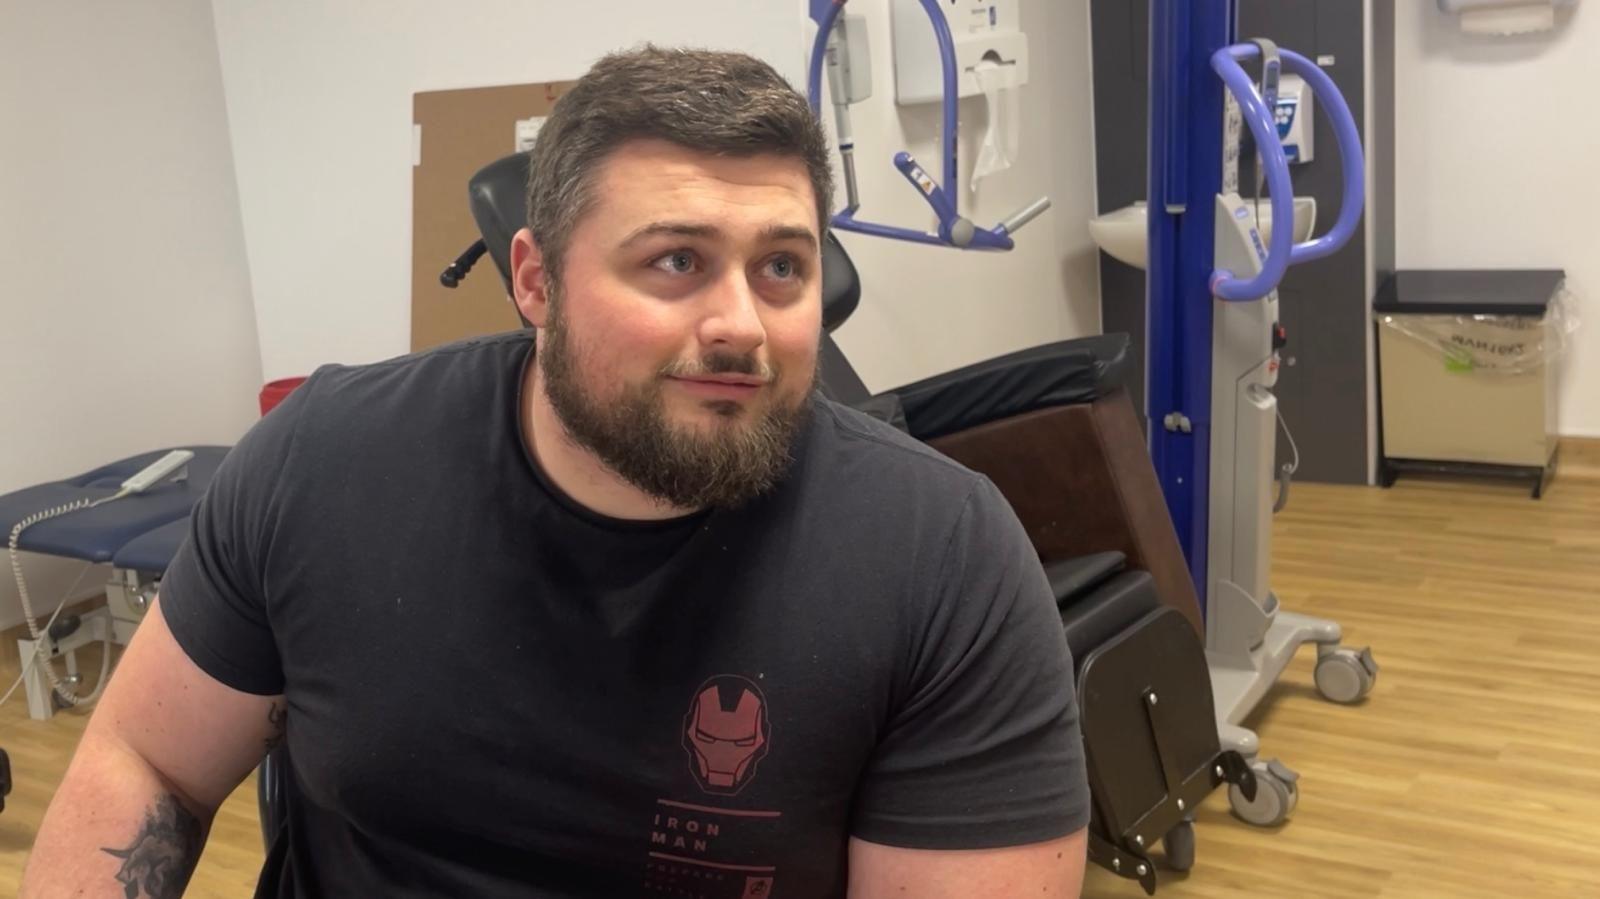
x=116, y=829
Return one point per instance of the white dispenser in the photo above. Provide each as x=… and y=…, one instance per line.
x=1295, y=116
x=1503, y=17
x=982, y=30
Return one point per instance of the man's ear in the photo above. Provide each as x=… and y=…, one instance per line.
x=528, y=289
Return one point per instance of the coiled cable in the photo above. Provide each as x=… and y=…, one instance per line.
x=70, y=698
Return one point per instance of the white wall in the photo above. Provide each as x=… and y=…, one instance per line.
x=125, y=319
x=1067, y=68
x=1496, y=142
x=319, y=101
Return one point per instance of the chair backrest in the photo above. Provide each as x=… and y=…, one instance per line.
x=498, y=197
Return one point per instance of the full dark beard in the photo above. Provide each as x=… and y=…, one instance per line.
x=724, y=468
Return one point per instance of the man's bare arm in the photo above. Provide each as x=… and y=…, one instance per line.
x=1053, y=870
x=164, y=748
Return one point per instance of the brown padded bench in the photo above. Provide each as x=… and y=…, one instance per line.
x=1054, y=428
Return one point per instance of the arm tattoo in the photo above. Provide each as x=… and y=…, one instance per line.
x=277, y=716
x=163, y=856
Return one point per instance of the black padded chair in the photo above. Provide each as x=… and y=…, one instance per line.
x=1025, y=419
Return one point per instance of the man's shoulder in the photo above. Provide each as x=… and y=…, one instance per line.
x=402, y=409
x=429, y=372
x=867, y=453
x=422, y=389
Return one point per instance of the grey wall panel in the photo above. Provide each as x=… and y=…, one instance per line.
x=1325, y=398
x=1381, y=143
x=1120, y=32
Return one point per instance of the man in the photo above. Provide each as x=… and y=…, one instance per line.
x=617, y=607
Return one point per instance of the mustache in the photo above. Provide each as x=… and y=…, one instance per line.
x=721, y=364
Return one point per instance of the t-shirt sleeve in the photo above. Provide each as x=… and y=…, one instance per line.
x=984, y=749
x=213, y=595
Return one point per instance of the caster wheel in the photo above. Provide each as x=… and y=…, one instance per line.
x=1276, y=795
x=1179, y=843
x=1345, y=675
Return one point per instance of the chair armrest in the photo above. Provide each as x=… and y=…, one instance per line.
x=1108, y=610
x=1071, y=578
x=1054, y=374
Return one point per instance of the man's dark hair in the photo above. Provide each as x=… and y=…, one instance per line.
x=716, y=102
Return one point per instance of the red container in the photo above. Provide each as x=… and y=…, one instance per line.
x=275, y=391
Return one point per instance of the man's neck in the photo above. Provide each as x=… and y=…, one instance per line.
x=576, y=471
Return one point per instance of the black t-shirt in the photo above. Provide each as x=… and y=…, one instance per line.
x=493, y=691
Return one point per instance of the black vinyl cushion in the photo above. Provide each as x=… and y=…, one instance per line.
x=1055, y=374
x=1071, y=578
x=841, y=285
x=1108, y=610
x=837, y=378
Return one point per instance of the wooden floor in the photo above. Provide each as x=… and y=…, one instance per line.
x=1473, y=770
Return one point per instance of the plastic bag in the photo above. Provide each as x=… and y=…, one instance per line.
x=1000, y=140
x=1495, y=344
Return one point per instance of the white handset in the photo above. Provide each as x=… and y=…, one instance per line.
x=157, y=471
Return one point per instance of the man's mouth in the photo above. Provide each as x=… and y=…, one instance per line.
x=723, y=386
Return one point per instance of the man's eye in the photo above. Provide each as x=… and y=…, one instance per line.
x=783, y=268
x=678, y=263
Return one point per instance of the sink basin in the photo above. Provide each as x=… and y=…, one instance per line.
x=1122, y=232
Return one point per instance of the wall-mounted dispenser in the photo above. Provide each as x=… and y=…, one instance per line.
x=1295, y=115
x=1505, y=16
x=982, y=30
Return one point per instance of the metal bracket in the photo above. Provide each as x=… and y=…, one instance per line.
x=129, y=595
x=1232, y=768
x=1122, y=863
x=1184, y=791
x=1161, y=727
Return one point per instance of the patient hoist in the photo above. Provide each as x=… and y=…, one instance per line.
x=1214, y=339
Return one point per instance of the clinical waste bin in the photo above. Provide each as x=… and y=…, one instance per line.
x=274, y=392
x=1468, y=371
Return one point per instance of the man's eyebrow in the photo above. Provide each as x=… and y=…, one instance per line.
x=769, y=234
x=774, y=233
x=679, y=229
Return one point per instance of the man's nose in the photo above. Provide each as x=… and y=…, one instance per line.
x=733, y=319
